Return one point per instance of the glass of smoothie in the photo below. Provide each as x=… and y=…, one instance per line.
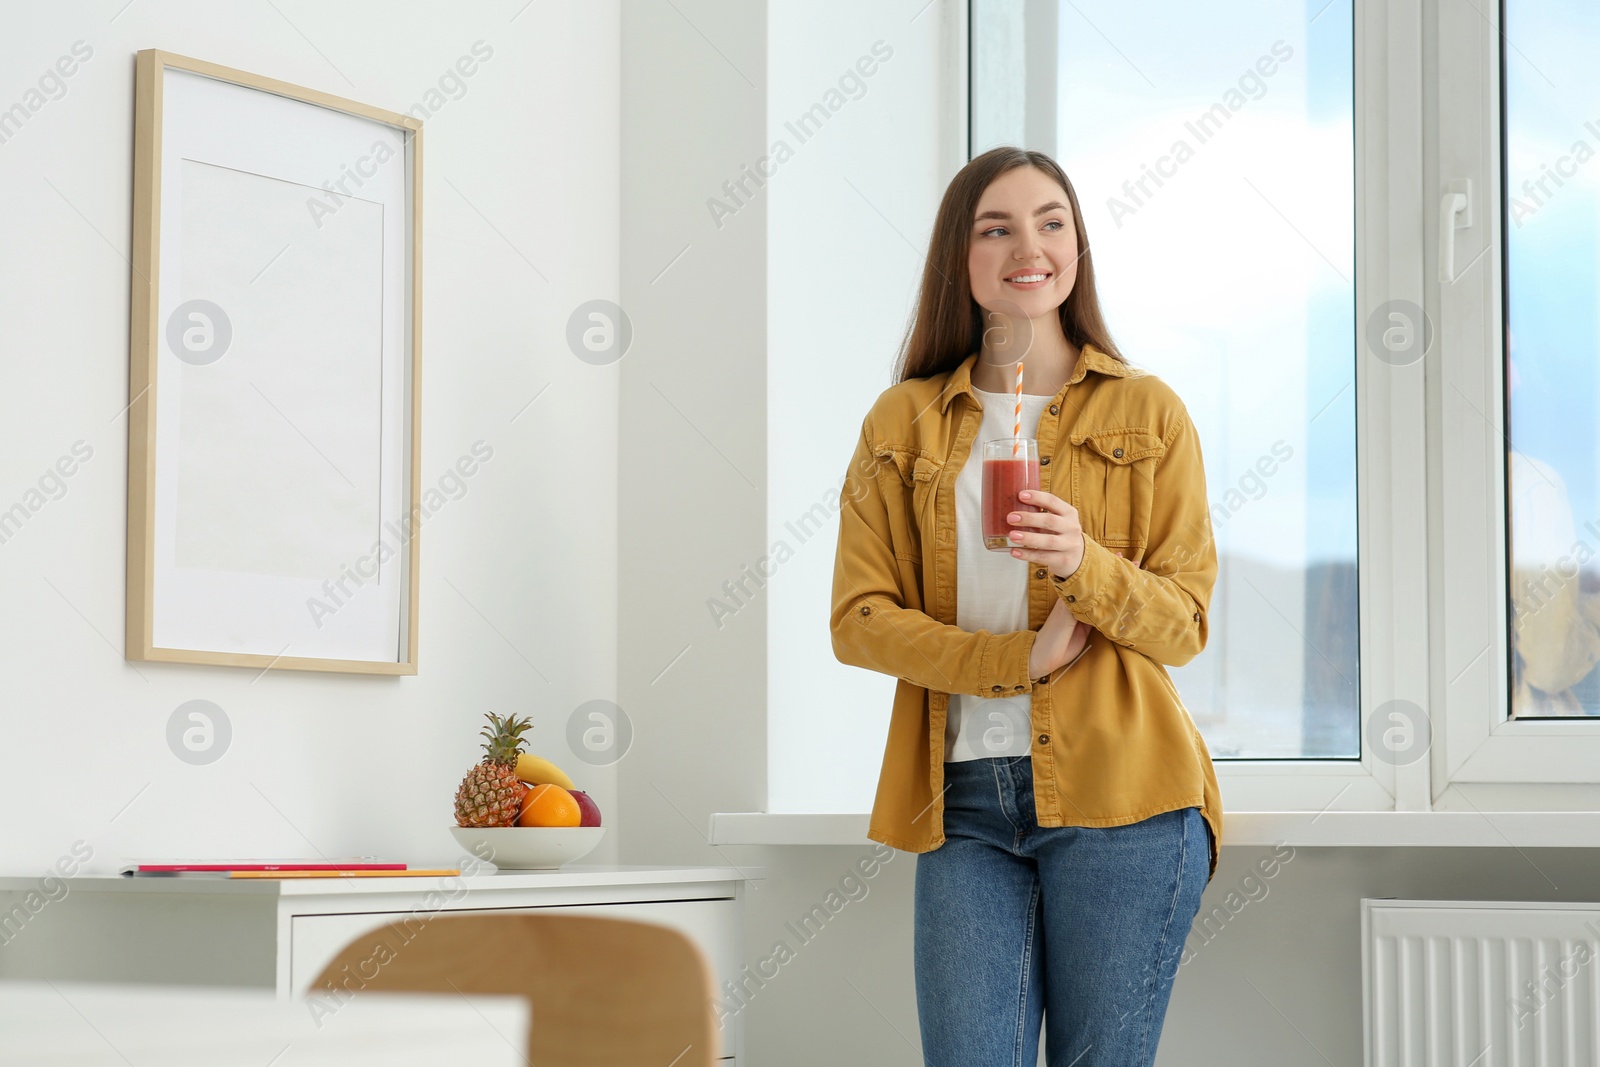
x=1010, y=465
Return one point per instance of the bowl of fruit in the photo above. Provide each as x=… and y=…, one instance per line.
x=519, y=811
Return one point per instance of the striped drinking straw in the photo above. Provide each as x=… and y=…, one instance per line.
x=1016, y=424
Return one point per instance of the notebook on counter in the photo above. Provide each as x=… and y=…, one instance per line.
x=225, y=868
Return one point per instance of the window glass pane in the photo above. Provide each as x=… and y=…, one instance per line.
x=1211, y=146
x=1552, y=187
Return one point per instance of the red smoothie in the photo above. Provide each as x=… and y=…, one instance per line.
x=1002, y=480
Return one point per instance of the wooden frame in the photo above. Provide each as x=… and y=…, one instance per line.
x=396, y=483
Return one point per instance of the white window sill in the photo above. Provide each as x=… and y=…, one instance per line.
x=1376, y=829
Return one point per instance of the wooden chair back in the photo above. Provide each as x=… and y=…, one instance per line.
x=605, y=992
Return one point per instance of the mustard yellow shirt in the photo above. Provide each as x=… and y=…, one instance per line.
x=1112, y=741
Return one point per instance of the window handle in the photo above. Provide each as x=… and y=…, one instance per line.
x=1455, y=212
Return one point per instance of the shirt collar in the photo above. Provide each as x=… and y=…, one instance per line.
x=1090, y=359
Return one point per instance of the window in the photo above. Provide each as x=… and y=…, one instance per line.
x=1552, y=251
x=1212, y=150
x=1367, y=237
x=1514, y=406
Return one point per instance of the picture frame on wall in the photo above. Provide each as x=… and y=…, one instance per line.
x=274, y=360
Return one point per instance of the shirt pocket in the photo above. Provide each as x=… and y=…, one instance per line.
x=1114, y=476
x=919, y=479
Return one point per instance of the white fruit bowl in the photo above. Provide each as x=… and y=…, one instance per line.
x=528, y=848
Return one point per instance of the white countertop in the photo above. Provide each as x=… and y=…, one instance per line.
x=573, y=874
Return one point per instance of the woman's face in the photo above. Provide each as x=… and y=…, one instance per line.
x=1022, y=230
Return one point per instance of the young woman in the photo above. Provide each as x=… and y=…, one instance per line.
x=1039, y=759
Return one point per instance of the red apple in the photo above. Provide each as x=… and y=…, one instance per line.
x=586, y=805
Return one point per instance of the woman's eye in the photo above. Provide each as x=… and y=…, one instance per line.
x=992, y=229
x=1057, y=223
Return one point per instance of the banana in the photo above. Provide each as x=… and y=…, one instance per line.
x=536, y=770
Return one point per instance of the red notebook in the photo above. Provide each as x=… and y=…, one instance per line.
x=224, y=866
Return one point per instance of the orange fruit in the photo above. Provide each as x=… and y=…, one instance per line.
x=549, y=805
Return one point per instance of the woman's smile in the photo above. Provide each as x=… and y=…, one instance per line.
x=1029, y=279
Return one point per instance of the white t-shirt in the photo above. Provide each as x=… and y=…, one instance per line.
x=991, y=594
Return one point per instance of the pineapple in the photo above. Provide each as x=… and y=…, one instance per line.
x=491, y=793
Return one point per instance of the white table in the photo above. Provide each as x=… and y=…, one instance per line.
x=69, y=1024
x=279, y=934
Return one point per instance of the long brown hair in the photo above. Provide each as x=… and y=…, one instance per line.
x=947, y=325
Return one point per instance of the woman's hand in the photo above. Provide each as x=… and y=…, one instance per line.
x=1055, y=538
x=1060, y=640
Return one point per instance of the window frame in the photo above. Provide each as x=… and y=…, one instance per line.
x=1391, y=439
x=1483, y=744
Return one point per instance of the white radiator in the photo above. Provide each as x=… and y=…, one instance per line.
x=1480, y=984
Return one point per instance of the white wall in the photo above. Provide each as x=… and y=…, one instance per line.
x=692, y=421
x=850, y=216
x=518, y=588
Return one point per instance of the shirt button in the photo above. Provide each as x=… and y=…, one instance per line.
x=1071, y=599
x=865, y=610
x=1016, y=687
x=1044, y=739
x=998, y=688
x=1044, y=461
x=1055, y=409
x=1117, y=452
x=1039, y=573
x=1197, y=616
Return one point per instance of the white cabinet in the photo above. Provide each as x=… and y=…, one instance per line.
x=280, y=934
x=713, y=925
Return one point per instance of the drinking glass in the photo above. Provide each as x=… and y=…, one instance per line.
x=1010, y=465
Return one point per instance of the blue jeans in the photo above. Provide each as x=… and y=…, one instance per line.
x=1080, y=926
